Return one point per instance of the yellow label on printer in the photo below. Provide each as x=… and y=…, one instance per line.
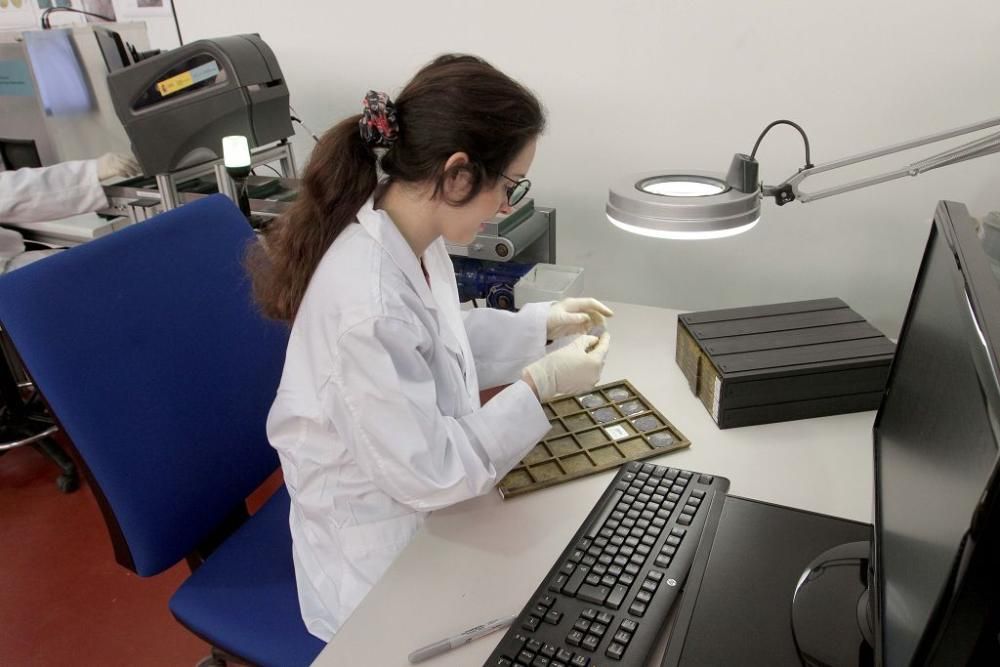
x=175, y=83
x=189, y=78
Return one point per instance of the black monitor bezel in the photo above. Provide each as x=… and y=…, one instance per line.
x=974, y=277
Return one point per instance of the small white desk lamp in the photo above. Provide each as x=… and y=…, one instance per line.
x=236, y=157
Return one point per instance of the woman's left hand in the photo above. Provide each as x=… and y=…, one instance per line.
x=575, y=316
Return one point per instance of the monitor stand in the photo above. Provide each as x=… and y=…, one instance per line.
x=736, y=608
x=831, y=611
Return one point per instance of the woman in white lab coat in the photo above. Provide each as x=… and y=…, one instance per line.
x=50, y=193
x=377, y=419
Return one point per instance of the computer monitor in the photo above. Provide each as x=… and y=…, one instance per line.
x=924, y=592
x=936, y=448
x=19, y=153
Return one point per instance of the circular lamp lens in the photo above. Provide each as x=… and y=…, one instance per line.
x=681, y=205
x=682, y=186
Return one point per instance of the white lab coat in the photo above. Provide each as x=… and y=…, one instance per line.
x=48, y=193
x=377, y=420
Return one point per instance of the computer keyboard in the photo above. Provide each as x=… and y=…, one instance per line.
x=608, y=595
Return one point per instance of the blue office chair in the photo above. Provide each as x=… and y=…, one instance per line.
x=151, y=355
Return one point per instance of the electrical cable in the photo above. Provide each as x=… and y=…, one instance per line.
x=46, y=24
x=805, y=139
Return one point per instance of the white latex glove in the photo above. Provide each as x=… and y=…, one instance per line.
x=571, y=369
x=570, y=317
x=115, y=165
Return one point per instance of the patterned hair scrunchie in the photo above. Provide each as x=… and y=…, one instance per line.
x=378, y=124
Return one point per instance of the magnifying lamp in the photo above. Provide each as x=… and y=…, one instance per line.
x=688, y=204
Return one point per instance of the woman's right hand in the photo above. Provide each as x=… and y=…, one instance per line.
x=569, y=370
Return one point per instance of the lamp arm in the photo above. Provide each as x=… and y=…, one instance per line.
x=789, y=190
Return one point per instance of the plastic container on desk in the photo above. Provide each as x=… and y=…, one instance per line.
x=548, y=282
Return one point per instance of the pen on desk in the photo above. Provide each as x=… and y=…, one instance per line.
x=437, y=648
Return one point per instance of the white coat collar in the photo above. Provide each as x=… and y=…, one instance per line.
x=380, y=227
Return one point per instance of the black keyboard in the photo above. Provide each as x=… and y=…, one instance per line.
x=607, y=597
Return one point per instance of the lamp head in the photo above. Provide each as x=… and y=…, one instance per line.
x=688, y=204
x=236, y=155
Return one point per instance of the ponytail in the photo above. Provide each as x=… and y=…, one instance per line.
x=339, y=178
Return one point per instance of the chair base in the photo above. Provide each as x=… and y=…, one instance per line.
x=16, y=431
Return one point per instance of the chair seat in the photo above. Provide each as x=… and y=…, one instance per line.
x=243, y=599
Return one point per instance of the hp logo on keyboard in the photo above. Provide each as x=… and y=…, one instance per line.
x=671, y=582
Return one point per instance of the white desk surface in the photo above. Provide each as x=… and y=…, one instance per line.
x=483, y=558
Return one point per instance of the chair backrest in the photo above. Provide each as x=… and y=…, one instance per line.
x=150, y=352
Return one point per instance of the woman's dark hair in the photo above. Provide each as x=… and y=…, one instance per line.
x=457, y=103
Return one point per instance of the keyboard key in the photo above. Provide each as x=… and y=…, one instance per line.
x=582, y=625
x=590, y=642
x=546, y=601
x=553, y=617
x=649, y=585
x=549, y=651
x=580, y=660
x=600, y=569
x=608, y=580
x=558, y=583
x=698, y=493
x=525, y=657
x=504, y=661
x=668, y=550
x=644, y=596
x=705, y=479
x=685, y=519
x=637, y=609
x=628, y=625
x=655, y=575
x=605, y=618
x=673, y=540
x=531, y=623
x=576, y=556
x=662, y=561
x=575, y=580
x=589, y=614
x=626, y=579
x=598, y=629
x=622, y=637
x=568, y=568
x=617, y=596
x=593, y=580
x=574, y=638
x=588, y=561
x=595, y=594
x=564, y=655
x=679, y=532
x=533, y=645
x=615, y=651
x=540, y=661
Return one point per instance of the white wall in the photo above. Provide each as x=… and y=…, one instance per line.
x=636, y=85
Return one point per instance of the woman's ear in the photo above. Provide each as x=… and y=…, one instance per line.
x=457, y=180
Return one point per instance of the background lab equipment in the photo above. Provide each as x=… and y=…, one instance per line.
x=54, y=98
x=177, y=106
x=922, y=591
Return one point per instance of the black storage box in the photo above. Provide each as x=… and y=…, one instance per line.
x=784, y=361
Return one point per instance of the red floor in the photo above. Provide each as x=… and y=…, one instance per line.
x=63, y=599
